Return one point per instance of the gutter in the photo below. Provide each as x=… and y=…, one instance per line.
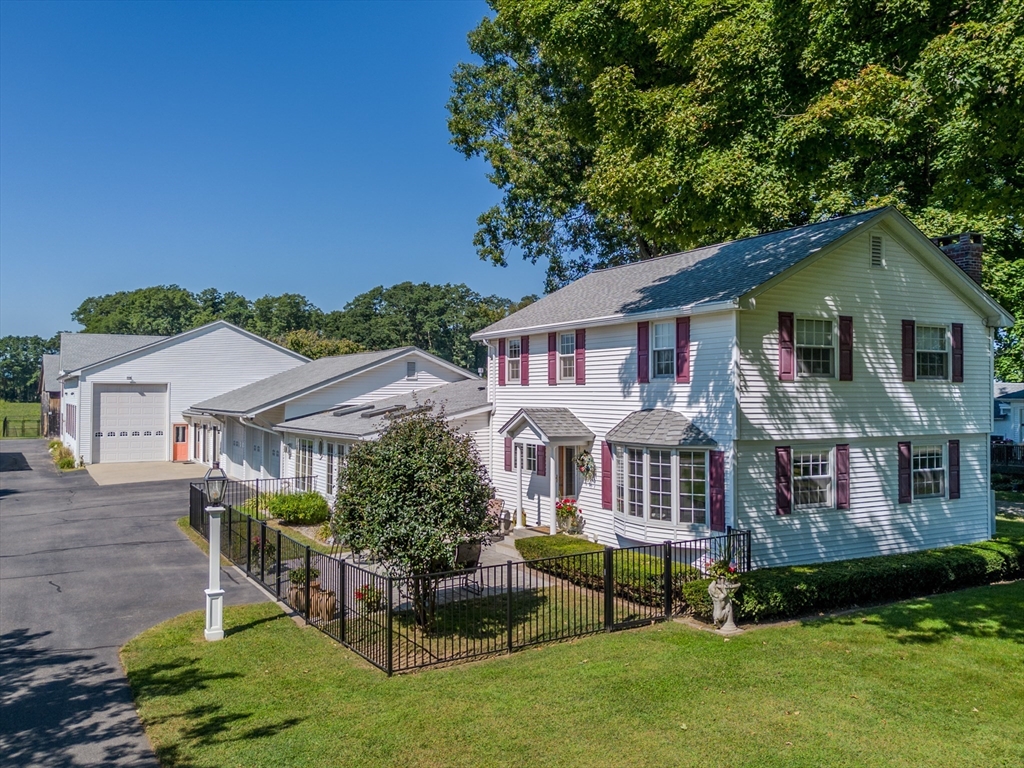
x=692, y=309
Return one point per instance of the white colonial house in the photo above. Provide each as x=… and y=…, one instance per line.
x=1008, y=417
x=826, y=387
x=253, y=418
x=320, y=442
x=123, y=396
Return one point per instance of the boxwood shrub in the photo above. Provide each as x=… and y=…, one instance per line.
x=638, y=577
x=788, y=592
x=306, y=508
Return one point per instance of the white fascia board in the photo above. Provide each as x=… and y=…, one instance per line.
x=618, y=319
x=291, y=428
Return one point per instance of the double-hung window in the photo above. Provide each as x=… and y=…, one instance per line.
x=331, y=472
x=661, y=484
x=664, y=358
x=929, y=471
x=932, y=352
x=693, y=487
x=531, y=457
x=567, y=356
x=304, y=464
x=812, y=479
x=635, y=479
x=815, y=348
x=513, y=359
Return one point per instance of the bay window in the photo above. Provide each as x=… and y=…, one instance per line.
x=693, y=487
x=662, y=485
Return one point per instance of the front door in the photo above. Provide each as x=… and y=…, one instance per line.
x=181, y=442
x=568, y=477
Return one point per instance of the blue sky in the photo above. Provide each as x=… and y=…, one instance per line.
x=261, y=148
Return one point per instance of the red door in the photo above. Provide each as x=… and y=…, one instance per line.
x=181, y=442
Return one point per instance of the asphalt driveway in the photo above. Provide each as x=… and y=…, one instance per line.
x=83, y=569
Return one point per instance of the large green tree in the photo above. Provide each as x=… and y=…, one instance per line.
x=409, y=497
x=21, y=364
x=437, y=318
x=623, y=129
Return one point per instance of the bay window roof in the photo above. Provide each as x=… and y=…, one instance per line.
x=659, y=427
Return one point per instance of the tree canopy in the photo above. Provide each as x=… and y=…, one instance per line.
x=618, y=130
x=21, y=365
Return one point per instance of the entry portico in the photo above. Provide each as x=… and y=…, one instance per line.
x=554, y=437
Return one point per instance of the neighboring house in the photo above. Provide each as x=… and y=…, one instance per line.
x=123, y=396
x=251, y=447
x=49, y=396
x=826, y=387
x=1008, y=418
x=319, y=443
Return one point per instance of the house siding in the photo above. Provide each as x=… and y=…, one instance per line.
x=610, y=394
x=875, y=523
x=195, y=368
x=871, y=413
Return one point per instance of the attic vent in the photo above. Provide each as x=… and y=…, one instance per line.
x=876, y=251
x=410, y=369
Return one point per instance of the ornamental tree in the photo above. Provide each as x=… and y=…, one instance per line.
x=410, y=497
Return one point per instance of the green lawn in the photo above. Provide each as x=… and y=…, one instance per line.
x=936, y=681
x=16, y=412
x=1010, y=496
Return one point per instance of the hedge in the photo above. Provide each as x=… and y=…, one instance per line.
x=307, y=508
x=791, y=591
x=637, y=576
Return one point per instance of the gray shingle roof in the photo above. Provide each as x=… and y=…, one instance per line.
x=554, y=423
x=458, y=397
x=705, y=275
x=1004, y=390
x=659, y=427
x=79, y=350
x=282, y=386
x=51, y=370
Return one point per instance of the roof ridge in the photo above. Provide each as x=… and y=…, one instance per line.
x=736, y=240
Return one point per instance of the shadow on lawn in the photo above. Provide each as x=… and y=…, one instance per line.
x=200, y=725
x=482, y=618
x=983, y=612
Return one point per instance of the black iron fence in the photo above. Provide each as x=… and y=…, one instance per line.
x=405, y=623
x=1008, y=456
x=252, y=497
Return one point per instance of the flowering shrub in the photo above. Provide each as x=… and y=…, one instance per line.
x=722, y=569
x=568, y=515
x=268, y=547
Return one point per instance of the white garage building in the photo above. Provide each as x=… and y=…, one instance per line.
x=123, y=396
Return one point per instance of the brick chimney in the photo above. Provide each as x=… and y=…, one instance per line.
x=965, y=250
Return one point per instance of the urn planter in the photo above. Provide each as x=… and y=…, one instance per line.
x=721, y=591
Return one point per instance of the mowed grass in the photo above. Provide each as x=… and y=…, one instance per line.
x=19, y=410
x=928, y=682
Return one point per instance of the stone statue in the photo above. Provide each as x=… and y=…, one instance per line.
x=721, y=592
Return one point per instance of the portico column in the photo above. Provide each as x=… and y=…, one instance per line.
x=553, y=499
x=519, y=454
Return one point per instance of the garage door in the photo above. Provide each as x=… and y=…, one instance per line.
x=130, y=422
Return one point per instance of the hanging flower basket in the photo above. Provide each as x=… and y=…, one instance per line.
x=585, y=465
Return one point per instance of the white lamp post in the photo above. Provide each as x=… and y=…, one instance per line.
x=216, y=485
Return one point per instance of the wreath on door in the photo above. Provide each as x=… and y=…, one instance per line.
x=585, y=466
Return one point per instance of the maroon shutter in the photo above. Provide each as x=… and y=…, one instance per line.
x=524, y=361
x=783, y=480
x=842, y=477
x=954, y=469
x=501, y=362
x=845, y=348
x=682, y=350
x=909, y=358
x=958, y=352
x=643, y=353
x=552, y=359
x=786, y=365
x=606, y=475
x=542, y=461
x=581, y=356
x=716, y=476
x=905, y=489
x=508, y=454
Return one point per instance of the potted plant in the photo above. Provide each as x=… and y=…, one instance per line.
x=297, y=586
x=370, y=597
x=721, y=591
x=568, y=516
x=268, y=547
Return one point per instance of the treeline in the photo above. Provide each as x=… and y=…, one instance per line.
x=437, y=318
